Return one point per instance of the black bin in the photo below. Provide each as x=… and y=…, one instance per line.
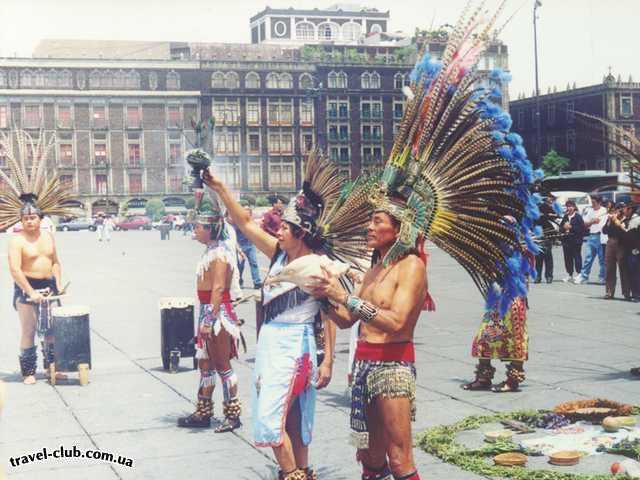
x=72, y=337
x=176, y=329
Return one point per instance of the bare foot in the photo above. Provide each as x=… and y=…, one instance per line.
x=29, y=380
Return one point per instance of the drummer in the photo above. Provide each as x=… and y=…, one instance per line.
x=36, y=271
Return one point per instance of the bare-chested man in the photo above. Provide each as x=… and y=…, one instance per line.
x=218, y=325
x=388, y=303
x=35, y=268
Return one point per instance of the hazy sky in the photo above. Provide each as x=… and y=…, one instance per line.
x=578, y=39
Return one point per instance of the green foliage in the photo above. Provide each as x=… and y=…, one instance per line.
x=553, y=164
x=191, y=202
x=441, y=442
x=262, y=202
x=155, y=209
x=249, y=200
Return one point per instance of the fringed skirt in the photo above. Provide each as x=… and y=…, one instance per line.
x=504, y=338
x=284, y=370
x=376, y=378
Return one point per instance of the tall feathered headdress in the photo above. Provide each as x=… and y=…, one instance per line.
x=455, y=174
x=30, y=189
x=332, y=211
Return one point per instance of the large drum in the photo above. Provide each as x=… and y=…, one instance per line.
x=177, y=331
x=72, y=339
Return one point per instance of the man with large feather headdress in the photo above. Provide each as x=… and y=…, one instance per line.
x=454, y=174
x=33, y=260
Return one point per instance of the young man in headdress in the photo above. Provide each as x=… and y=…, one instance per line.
x=218, y=326
x=36, y=271
x=33, y=260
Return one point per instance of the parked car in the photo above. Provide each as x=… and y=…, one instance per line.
x=134, y=223
x=618, y=196
x=582, y=199
x=76, y=225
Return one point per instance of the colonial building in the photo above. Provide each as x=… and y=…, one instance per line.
x=561, y=130
x=123, y=112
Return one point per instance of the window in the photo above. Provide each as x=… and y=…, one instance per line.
x=64, y=116
x=134, y=154
x=365, y=80
x=521, y=119
x=3, y=159
x=338, y=133
x=571, y=112
x=66, y=181
x=64, y=79
x=372, y=132
x=175, y=148
x=332, y=80
x=226, y=112
x=65, y=153
x=131, y=80
x=372, y=155
x=375, y=80
x=286, y=143
x=351, y=31
x=252, y=80
x=3, y=79
x=272, y=80
x=99, y=116
x=305, y=31
x=253, y=143
x=398, y=110
x=551, y=114
x=281, y=173
x=255, y=175
x=100, y=153
x=4, y=116
x=133, y=116
x=279, y=112
x=398, y=81
x=229, y=174
x=305, y=81
x=173, y=81
x=174, y=116
x=626, y=105
x=571, y=141
x=328, y=31
x=228, y=143
x=306, y=145
x=286, y=80
x=217, y=80
x=343, y=110
x=175, y=183
x=101, y=184
x=253, y=113
x=274, y=143
x=376, y=28
x=371, y=109
x=135, y=183
x=32, y=117
x=306, y=112
x=232, y=80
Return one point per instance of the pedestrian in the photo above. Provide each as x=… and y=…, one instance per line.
x=272, y=219
x=615, y=253
x=548, y=221
x=108, y=227
x=594, y=219
x=572, y=231
x=631, y=243
x=99, y=223
x=247, y=253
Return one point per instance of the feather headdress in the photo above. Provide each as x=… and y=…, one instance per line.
x=32, y=187
x=455, y=174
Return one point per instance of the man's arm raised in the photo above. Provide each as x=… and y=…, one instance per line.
x=261, y=239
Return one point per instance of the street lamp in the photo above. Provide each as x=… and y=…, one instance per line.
x=537, y=4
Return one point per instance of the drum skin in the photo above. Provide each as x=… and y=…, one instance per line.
x=72, y=337
x=176, y=328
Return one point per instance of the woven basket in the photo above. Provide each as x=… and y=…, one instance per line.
x=594, y=410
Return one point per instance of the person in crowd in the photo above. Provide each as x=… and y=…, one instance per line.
x=594, y=219
x=572, y=229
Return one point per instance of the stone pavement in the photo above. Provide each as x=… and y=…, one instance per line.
x=581, y=347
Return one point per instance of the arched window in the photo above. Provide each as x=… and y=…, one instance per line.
x=375, y=80
x=305, y=31
x=173, y=80
x=286, y=80
x=217, y=80
x=51, y=79
x=375, y=28
x=232, y=80
x=3, y=79
x=132, y=79
x=305, y=81
x=40, y=79
x=342, y=80
x=365, y=80
x=94, y=79
x=107, y=79
x=272, y=80
x=398, y=81
x=351, y=31
x=26, y=79
x=65, y=79
x=328, y=31
x=252, y=80
x=332, y=80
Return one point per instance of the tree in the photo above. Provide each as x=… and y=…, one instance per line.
x=553, y=164
x=155, y=209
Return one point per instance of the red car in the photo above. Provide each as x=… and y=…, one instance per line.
x=134, y=223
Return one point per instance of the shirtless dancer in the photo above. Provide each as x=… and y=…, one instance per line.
x=388, y=304
x=35, y=268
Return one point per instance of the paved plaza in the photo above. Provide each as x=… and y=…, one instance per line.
x=581, y=347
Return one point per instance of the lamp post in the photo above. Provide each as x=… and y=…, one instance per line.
x=537, y=4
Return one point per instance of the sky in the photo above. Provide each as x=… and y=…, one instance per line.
x=578, y=40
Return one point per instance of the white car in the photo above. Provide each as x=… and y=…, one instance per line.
x=582, y=199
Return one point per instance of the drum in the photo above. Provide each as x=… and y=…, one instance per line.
x=177, y=337
x=72, y=337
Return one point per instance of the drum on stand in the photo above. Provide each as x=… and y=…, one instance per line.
x=177, y=330
x=72, y=341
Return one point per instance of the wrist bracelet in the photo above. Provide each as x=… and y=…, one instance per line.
x=362, y=309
